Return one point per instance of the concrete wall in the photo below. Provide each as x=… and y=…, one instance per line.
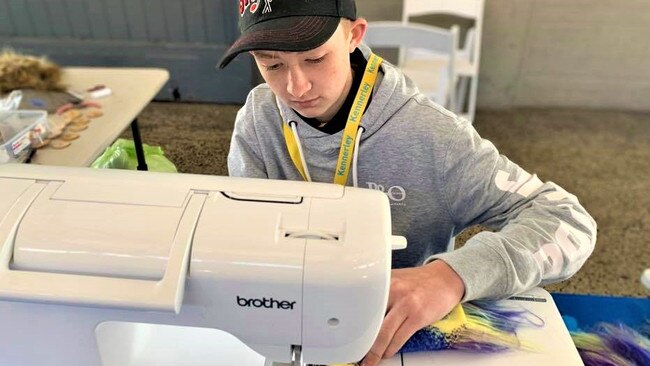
x=584, y=53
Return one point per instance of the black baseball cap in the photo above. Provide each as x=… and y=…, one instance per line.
x=287, y=25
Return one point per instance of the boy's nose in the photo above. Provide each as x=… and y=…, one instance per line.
x=298, y=84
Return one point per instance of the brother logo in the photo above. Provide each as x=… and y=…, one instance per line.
x=265, y=303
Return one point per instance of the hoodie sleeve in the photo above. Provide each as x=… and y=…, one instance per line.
x=543, y=233
x=244, y=157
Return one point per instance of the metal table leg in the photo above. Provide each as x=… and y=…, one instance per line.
x=137, y=141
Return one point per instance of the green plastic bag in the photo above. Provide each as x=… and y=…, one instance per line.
x=121, y=155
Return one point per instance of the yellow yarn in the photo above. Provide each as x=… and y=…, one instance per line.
x=452, y=321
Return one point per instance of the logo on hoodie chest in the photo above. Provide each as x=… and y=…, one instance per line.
x=396, y=194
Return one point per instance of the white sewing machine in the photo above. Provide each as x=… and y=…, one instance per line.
x=104, y=267
x=121, y=268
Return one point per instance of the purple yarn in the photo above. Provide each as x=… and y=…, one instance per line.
x=504, y=318
x=619, y=340
x=630, y=351
x=591, y=358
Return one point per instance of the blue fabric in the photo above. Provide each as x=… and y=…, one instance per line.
x=584, y=311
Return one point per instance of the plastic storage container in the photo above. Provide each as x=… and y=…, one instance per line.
x=17, y=131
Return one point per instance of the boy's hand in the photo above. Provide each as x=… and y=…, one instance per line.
x=418, y=297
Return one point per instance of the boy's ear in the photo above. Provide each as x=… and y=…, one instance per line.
x=357, y=32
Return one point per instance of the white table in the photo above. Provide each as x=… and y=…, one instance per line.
x=163, y=345
x=132, y=89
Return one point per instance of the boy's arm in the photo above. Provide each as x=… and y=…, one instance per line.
x=244, y=157
x=544, y=234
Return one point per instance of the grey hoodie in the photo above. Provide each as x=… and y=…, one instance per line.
x=440, y=177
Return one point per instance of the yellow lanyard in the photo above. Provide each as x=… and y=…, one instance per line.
x=348, y=141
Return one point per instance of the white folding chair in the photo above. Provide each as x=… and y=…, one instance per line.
x=435, y=80
x=467, y=56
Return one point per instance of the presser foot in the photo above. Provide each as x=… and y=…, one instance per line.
x=297, y=360
x=296, y=356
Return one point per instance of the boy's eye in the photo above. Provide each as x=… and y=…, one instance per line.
x=316, y=60
x=272, y=67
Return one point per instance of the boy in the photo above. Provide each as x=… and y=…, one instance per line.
x=330, y=107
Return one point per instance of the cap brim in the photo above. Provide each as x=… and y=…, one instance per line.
x=291, y=34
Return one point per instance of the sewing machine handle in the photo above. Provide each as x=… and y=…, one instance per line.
x=70, y=289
